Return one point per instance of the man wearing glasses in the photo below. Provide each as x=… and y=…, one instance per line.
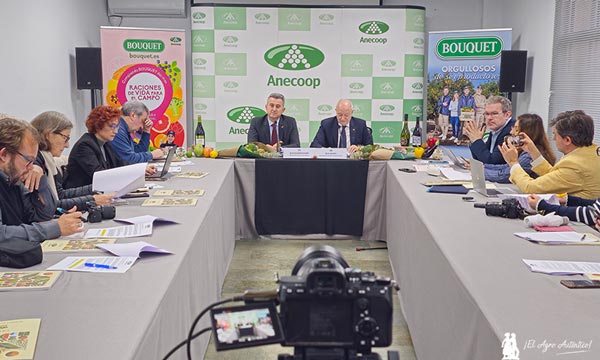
x=499, y=122
x=24, y=215
x=343, y=130
x=134, y=120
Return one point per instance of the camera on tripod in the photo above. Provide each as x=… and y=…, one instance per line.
x=327, y=311
x=98, y=213
x=508, y=208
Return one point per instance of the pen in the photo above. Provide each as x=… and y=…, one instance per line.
x=583, y=237
x=100, y=266
x=63, y=212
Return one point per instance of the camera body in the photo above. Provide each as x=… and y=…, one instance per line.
x=327, y=305
x=508, y=208
x=516, y=140
x=98, y=213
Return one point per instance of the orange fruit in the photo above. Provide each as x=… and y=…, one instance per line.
x=207, y=151
x=214, y=154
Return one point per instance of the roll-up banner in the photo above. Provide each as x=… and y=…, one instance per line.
x=468, y=63
x=313, y=56
x=147, y=65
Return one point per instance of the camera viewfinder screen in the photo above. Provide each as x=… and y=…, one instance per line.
x=244, y=326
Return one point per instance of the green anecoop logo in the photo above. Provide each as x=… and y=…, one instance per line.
x=417, y=86
x=230, y=84
x=199, y=16
x=199, y=61
x=469, y=47
x=294, y=57
x=140, y=45
x=230, y=39
x=387, y=108
x=324, y=108
x=200, y=107
x=262, y=17
x=326, y=17
x=175, y=39
x=244, y=114
x=388, y=63
x=373, y=27
x=356, y=86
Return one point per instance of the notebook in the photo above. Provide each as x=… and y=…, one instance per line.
x=164, y=174
x=478, y=178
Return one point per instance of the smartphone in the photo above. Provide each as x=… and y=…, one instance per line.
x=407, y=170
x=595, y=213
x=581, y=284
x=468, y=198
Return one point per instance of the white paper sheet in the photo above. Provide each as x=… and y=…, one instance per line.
x=97, y=264
x=562, y=267
x=120, y=180
x=146, y=219
x=563, y=237
x=132, y=249
x=172, y=169
x=452, y=174
x=125, y=231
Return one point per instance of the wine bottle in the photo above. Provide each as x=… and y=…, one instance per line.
x=416, y=139
x=405, y=134
x=200, y=140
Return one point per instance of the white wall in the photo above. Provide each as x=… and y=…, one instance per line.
x=447, y=14
x=532, y=22
x=38, y=40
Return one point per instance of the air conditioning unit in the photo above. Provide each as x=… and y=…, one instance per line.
x=146, y=8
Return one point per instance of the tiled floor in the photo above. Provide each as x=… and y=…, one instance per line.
x=255, y=263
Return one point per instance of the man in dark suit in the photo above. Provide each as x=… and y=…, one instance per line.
x=343, y=130
x=499, y=122
x=274, y=129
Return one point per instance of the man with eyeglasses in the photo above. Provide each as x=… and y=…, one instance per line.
x=343, y=130
x=499, y=122
x=24, y=215
x=134, y=120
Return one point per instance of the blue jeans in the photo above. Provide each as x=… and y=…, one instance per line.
x=455, y=125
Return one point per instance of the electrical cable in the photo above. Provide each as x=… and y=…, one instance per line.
x=185, y=342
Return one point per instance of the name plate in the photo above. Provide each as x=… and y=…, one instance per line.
x=315, y=153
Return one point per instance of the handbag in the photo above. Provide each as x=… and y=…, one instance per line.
x=20, y=254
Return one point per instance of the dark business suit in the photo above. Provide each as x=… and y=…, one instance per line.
x=260, y=130
x=327, y=136
x=481, y=150
x=86, y=158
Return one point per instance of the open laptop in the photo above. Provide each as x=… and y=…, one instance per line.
x=164, y=174
x=460, y=162
x=478, y=178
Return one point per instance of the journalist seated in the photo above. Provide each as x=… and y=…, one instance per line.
x=55, y=132
x=134, y=120
x=577, y=173
x=24, y=214
x=92, y=151
x=575, y=208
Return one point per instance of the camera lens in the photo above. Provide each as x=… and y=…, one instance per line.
x=304, y=262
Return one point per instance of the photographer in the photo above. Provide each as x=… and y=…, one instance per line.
x=577, y=173
x=533, y=126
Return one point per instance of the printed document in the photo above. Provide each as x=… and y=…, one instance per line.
x=562, y=267
x=120, y=180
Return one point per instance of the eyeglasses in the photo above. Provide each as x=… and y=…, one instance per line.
x=495, y=113
x=113, y=127
x=67, y=138
x=27, y=158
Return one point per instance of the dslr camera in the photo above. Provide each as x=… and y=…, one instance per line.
x=98, y=213
x=516, y=140
x=508, y=208
x=327, y=311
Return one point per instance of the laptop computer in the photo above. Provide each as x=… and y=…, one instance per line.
x=460, y=162
x=478, y=178
x=164, y=173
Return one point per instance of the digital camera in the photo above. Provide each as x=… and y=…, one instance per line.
x=98, y=213
x=327, y=311
x=508, y=208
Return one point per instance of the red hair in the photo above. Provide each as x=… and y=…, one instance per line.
x=99, y=116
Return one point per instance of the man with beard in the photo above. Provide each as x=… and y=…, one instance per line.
x=25, y=214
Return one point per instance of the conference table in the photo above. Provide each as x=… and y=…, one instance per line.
x=463, y=282
x=146, y=311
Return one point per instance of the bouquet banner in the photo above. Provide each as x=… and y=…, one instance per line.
x=313, y=56
x=147, y=65
x=459, y=59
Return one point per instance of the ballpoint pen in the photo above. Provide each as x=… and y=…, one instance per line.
x=100, y=266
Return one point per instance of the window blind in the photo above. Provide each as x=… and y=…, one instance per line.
x=575, y=79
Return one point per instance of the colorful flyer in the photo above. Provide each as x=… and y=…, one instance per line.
x=67, y=245
x=170, y=202
x=26, y=280
x=191, y=175
x=18, y=338
x=191, y=192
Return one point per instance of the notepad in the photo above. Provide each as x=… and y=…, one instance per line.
x=448, y=189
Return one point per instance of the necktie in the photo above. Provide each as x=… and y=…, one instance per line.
x=343, y=137
x=274, y=134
